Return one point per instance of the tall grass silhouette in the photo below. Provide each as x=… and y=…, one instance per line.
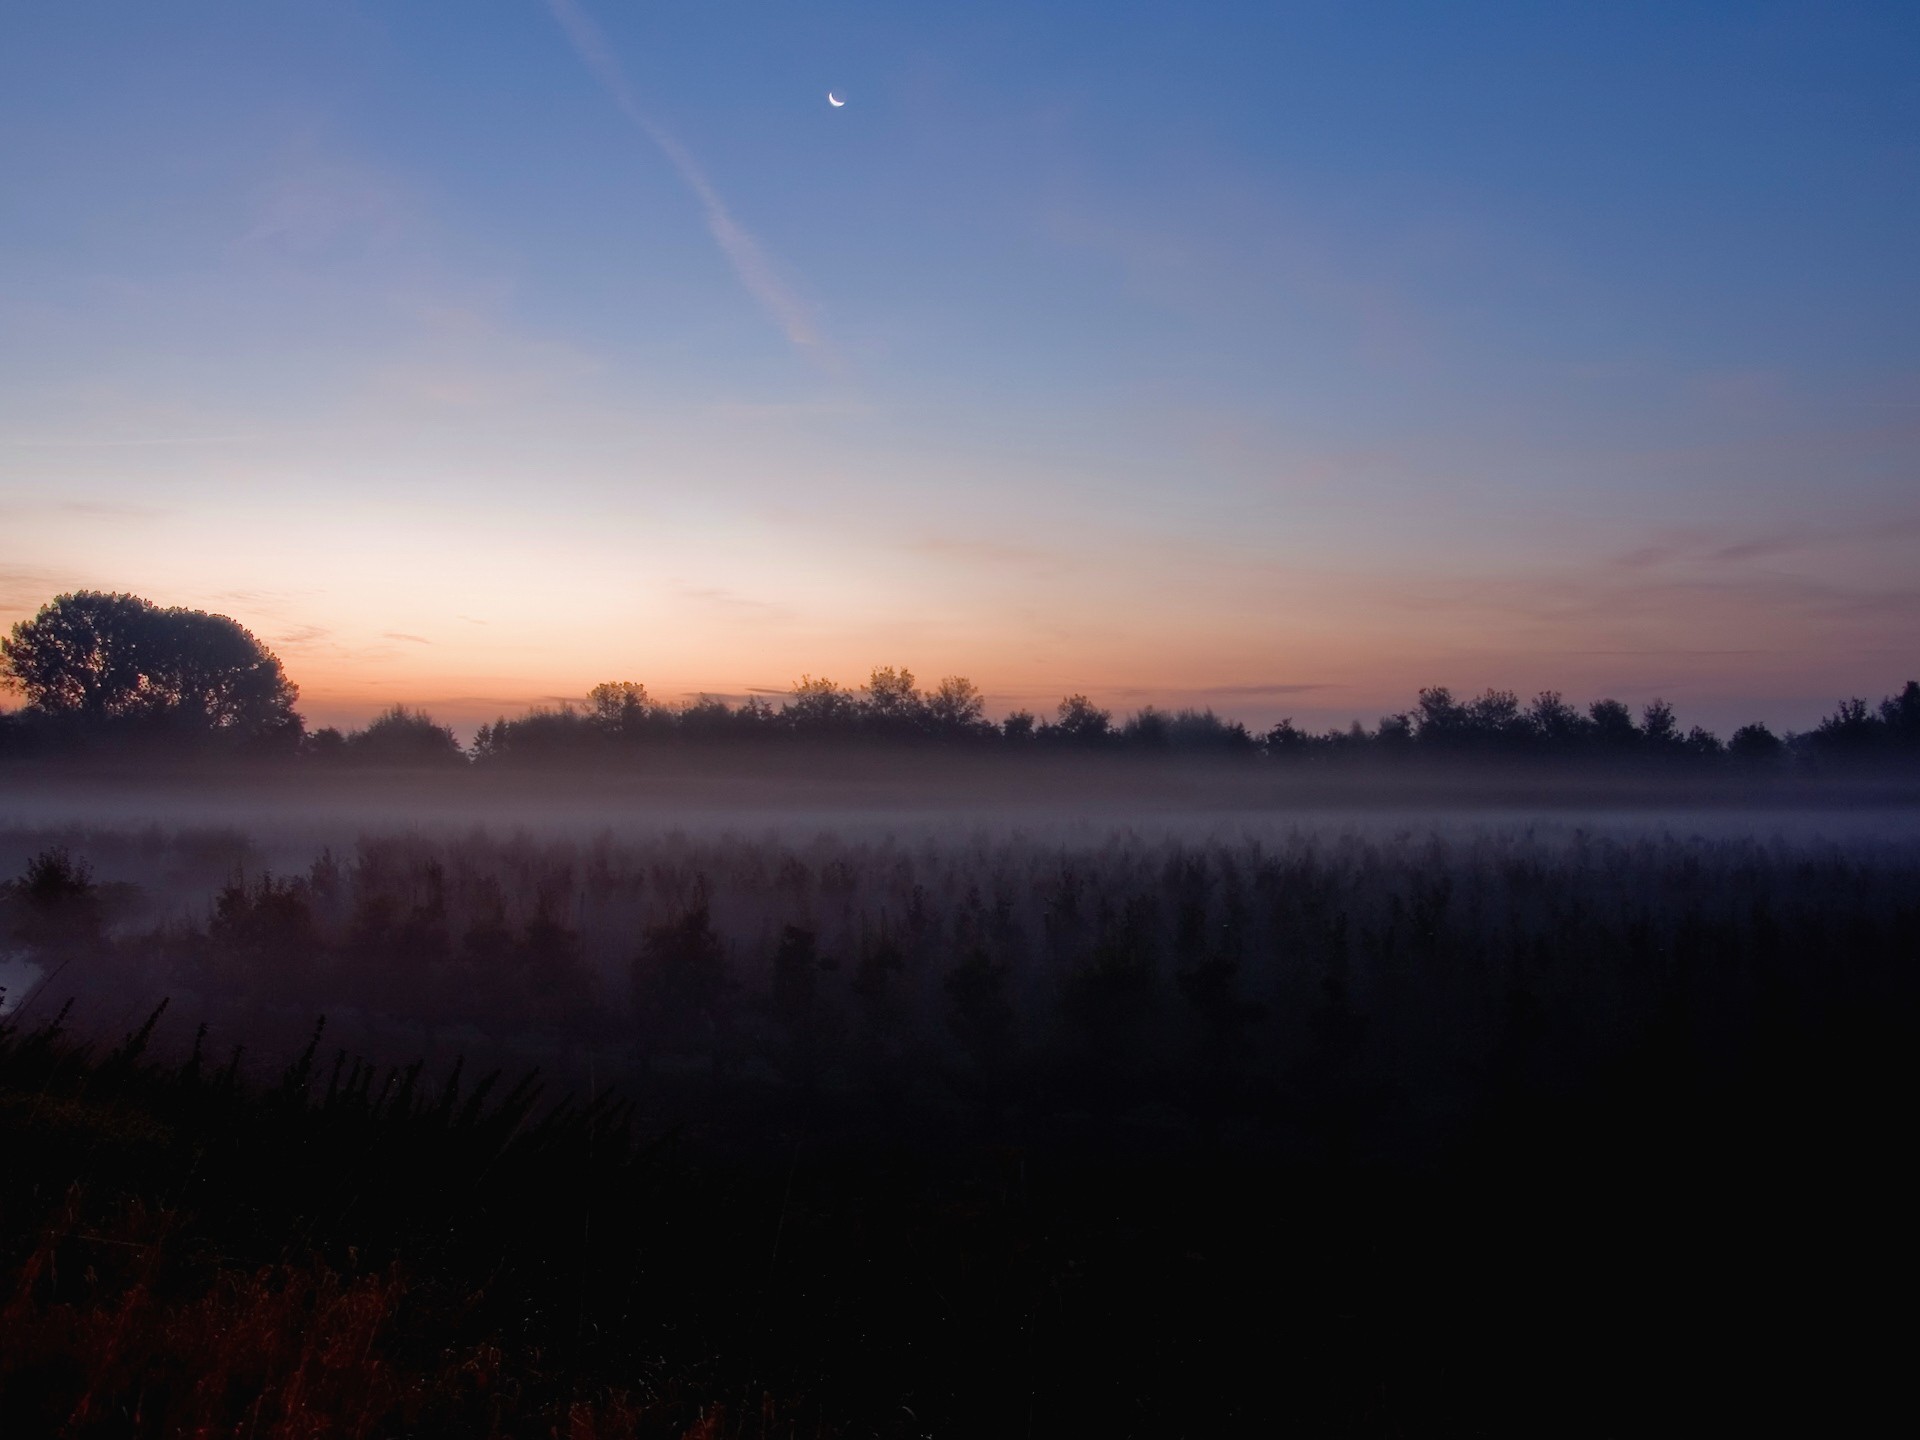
x=1391, y=1132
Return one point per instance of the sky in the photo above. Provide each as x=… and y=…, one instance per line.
x=1283, y=358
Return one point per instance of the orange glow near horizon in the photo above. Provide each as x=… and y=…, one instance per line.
x=1246, y=671
x=680, y=574
x=473, y=618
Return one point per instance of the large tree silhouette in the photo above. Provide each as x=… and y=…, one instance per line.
x=91, y=658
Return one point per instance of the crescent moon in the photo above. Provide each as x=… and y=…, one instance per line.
x=834, y=100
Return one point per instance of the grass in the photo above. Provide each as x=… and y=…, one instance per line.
x=1482, y=1134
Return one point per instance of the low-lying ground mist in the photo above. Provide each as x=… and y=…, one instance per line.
x=824, y=1113
x=980, y=960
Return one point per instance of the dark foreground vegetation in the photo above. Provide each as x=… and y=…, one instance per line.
x=1490, y=1133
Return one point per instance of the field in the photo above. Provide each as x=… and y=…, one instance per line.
x=957, y=1123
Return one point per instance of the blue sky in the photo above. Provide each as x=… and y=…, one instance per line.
x=1281, y=357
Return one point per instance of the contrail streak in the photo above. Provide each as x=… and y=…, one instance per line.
x=749, y=261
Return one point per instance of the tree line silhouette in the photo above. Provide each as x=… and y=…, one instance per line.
x=105, y=671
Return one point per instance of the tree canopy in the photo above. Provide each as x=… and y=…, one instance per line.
x=101, y=659
x=400, y=735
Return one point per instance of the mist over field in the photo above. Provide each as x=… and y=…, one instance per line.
x=980, y=933
x=1049, y=1077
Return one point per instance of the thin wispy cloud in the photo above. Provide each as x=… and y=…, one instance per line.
x=751, y=263
x=111, y=509
x=23, y=589
x=488, y=702
x=83, y=509
x=982, y=552
x=1578, y=603
x=1200, y=694
x=831, y=409
x=1656, y=652
x=138, y=442
x=1704, y=547
x=732, y=602
x=1274, y=689
x=318, y=203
